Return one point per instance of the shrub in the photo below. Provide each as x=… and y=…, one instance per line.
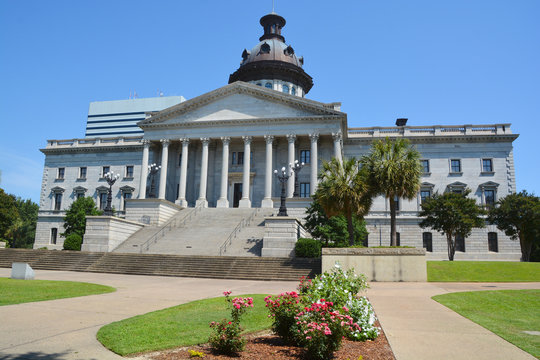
x=226, y=338
x=307, y=248
x=73, y=242
x=283, y=309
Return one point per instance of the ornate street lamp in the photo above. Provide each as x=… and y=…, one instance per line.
x=296, y=168
x=153, y=170
x=111, y=178
x=283, y=177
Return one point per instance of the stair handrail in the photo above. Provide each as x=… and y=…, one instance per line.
x=175, y=221
x=243, y=223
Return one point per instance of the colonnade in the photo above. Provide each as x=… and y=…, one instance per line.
x=223, y=201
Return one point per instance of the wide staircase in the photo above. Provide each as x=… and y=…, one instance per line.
x=219, y=267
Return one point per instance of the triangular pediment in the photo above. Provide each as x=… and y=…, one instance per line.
x=240, y=102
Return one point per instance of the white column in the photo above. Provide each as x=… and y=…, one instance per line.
x=267, y=201
x=183, y=174
x=164, y=161
x=245, y=202
x=223, y=202
x=337, y=146
x=144, y=169
x=291, y=138
x=314, y=163
x=204, y=173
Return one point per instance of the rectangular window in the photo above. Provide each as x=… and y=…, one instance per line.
x=82, y=172
x=492, y=242
x=425, y=166
x=60, y=174
x=129, y=171
x=79, y=195
x=57, y=201
x=489, y=196
x=460, y=243
x=487, y=165
x=105, y=170
x=126, y=195
x=304, y=190
x=396, y=200
x=455, y=165
x=233, y=161
x=54, y=235
x=102, y=200
x=240, y=158
x=427, y=241
x=424, y=195
x=305, y=156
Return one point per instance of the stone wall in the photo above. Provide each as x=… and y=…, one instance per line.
x=153, y=212
x=105, y=233
x=280, y=236
x=47, y=221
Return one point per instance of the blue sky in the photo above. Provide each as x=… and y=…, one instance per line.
x=434, y=62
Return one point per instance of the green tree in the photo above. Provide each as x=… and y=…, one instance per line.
x=25, y=229
x=452, y=214
x=343, y=190
x=394, y=171
x=333, y=230
x=75, y=219
x=518, y=215
x=8, y=212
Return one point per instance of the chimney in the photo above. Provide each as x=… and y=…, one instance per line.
x=401, y=121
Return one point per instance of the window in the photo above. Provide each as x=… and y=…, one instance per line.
x=489, y=197
x=396, y=201
x=304, y=190
x=293, y=91
x=487, y=165
x=126, y=196
x=427, y=241
x=57, y=201
x=259, y=84
x=492, y=242
x=268, y=85
x=105, y=170
x=79, y=195
x=240, y=157
x=285, y=88
x=425, y=166
x=424, y=195
x=54, y=235
x=460, y=243
x=102, y=200
x=82, y=172
x=237, y=158
x=398, y=239
x=305, y=156
x=233, y=160
x=60, y=174
x=129, y=171
x=455, y=166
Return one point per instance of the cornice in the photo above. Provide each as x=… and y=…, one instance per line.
x=90, y=149
x=440, y=139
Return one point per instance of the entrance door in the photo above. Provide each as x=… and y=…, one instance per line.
x=237, y=194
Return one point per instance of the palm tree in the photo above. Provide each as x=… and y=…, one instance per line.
x=394, y=171
x=343, y=190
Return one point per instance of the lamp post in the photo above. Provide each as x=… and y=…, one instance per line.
x=283, y=177
x=296, y=167
x=153, y=170
x=111, y=179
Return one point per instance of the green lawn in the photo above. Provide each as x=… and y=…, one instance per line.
x=181, y=325
x=21, y=291
x=483, y=271
x=507, y=313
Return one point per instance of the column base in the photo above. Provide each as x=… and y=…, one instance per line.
x=202, y=202
x=267, y=203
x=222, y=203
x=244, y=203
x=181, y=202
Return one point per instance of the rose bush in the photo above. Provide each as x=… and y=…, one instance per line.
x=283, y=309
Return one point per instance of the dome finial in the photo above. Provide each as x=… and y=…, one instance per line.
x=272, y=25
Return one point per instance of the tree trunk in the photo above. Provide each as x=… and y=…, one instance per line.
x=526, y=247
x=350, y=228
x=451, y=247
x=393, y=241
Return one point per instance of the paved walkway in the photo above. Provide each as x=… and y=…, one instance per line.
x=416, y=326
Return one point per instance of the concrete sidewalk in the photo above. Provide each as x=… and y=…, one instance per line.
x=416, y=326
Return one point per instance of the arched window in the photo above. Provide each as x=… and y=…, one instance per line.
x=268, y=85
x=259, y=84
x=293, y=91
x=286, y=89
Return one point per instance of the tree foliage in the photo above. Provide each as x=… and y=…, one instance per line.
x=518, y=215
x=18, y=220
x=343, y=190
x=8, y=212
x=394, y=171
x=452, y=214
x=332, y=231
x=75, y=219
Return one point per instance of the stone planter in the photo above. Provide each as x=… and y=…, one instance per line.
x=379, y=264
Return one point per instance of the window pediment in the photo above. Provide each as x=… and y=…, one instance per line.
x=57, y=189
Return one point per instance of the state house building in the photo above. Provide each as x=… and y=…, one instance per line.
x=219, y=150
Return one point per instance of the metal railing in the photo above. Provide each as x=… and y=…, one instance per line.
x=174, y=222
x=242, y=224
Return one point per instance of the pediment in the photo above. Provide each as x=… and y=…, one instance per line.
x=489, y=184
x=239, y=102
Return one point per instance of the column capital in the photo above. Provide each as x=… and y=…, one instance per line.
x=269, y=138
x=337, y=136
x=291, y=138
x=205, y=140
x=184, y=141
x=145, y=142
x=314, y=137
x=226, y=140
x=247, y=139
x=165, y=142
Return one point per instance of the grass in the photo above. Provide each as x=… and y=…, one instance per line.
x=483, y=271
x=507, y=313
x=182, y=325
x=13, y=291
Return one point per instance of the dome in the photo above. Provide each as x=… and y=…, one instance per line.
x=272, y=58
